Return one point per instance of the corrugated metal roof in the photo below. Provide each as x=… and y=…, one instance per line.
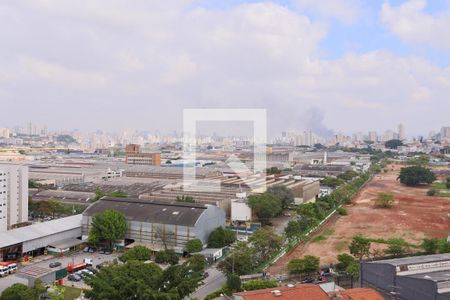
x=176, y=213
x=38, y=230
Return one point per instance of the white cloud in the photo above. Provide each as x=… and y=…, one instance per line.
x=412, y=24
x=346, y=11
x=61, y=75
x=143, y=66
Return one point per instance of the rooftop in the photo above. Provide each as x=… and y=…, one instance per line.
x=300, y=292
x=38, y=230
x=151, y=211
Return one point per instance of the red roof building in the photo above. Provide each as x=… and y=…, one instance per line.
x=300, y=292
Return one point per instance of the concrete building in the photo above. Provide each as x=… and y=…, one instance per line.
x=160, y=224
x=445, y=134
x=373, y=136
x=13, y=195
x=414, y=278
x=5, y=133
x=134, y=156
x=401, y=132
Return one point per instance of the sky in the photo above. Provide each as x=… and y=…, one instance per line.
x=331, y=66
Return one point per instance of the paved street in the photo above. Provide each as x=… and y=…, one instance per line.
x=214, y=282
x=7, y=281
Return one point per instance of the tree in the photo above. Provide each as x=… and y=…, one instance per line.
x=140, y=253
x=55, y=206
x=430, y=246
x=272, y=171
x=234, y=282
x=18, y=291
x=348, y=175
x=305, y=266
x=384, y=200
x=444, y=246
x=266, y=206
x=138, y=280
x=416, y=175
x=360, y=246
x=393, y=144
x=167, y=237
x=241, y=260
x=331, y=181
x=193, y=246
x=108, y=226
x=292, y=230
x=448, y=182
x=221, y=237
x=397, y=247
x=186, y=199
x=345, y=260
x=167, y=256
x=282, y=193
x=266, y=242
x=196, y=262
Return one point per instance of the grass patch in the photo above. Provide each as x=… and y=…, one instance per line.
x=322, y=237
x=71, y=293
x=341, y=246
x=444, y=194
x=440, y=185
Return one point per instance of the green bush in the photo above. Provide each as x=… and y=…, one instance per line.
x=140, y=253
x=258, y=284
x=234, y=282
x=342, y=211
x=193, y=246
x=431, y=192
x=167, y=256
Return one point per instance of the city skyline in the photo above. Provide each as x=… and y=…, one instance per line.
x=312, y=66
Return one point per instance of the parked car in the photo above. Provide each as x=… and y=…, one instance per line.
x=86, y=249
x=85, y=272
x=74, y=277
x=205, y=275
x=54, y=264
x=92, y=269
x=101, y=265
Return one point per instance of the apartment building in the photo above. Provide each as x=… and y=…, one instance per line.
x=13, y=195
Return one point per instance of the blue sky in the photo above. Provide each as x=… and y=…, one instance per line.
x=365, y=35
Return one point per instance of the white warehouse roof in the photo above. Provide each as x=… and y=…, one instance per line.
x=39, y=230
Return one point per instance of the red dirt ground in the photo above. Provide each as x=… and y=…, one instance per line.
x=413, y=217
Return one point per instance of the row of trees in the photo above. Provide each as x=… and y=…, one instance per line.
x=138, y=280
x=53, y=208
x=245, y=258
x=310, y=214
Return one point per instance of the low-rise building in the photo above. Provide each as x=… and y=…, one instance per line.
x=160, y=224
x=416, y=278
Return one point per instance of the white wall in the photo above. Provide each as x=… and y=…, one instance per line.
x=13, y=195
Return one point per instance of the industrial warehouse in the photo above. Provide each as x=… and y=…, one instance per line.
x=160, y=224
x=34, y=239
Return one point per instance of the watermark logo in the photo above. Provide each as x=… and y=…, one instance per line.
x=258, y=166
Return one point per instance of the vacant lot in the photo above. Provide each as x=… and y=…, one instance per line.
x=413, y=217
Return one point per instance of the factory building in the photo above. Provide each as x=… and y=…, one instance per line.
x=158, y=224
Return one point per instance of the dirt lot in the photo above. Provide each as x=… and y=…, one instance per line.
x=413, y=217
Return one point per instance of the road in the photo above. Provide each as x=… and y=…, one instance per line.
x=212, y=283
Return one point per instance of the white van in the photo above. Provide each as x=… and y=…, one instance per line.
x=12, y=268
x=4, y=271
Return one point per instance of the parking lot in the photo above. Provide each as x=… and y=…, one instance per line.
x=96, y=257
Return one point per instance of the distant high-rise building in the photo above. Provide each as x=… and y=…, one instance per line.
x=372, y=136
x=401, y=132
x=445, y=133
x=13, y=195
x=4, y=133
